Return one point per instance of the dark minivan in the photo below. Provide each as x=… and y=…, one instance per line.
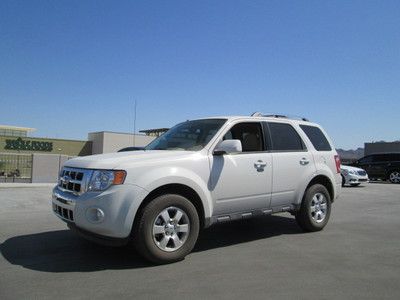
x=381, y=166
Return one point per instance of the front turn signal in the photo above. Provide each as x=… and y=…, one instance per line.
x=119, y=177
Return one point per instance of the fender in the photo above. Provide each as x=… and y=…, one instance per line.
x=155, y=178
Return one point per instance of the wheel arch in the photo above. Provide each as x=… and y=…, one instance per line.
x=391, y=170
x=326, y=182
x=179, y=189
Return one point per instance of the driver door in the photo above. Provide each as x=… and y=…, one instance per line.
x=241, y=182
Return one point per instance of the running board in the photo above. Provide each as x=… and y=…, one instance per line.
x=250, y=214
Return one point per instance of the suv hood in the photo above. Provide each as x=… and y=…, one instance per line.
x=114, y=160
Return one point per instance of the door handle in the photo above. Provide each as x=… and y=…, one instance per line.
x=304, y=161
x=260, y=164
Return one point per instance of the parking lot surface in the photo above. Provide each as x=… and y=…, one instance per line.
x=356, y=256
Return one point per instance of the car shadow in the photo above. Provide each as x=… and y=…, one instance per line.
x=380, y=182
x=63, y=251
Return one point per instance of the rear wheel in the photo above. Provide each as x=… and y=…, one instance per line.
x=315, y=209
x=167, y=229
x=394, y=177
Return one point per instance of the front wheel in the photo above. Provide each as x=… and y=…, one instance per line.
x=394, y=177
x=167, y=229
x=315, y=209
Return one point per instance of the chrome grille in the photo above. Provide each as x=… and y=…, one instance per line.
x=74, y=180
x=64, y=213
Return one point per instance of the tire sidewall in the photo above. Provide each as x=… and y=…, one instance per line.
x=152, y=210
x=317, y=188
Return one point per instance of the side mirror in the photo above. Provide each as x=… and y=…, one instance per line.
x=227, y=147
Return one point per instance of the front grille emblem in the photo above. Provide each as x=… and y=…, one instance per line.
x=65, y=179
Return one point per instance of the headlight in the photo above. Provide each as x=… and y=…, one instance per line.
x=352, y=172
x=103, y=179
x=345, y=172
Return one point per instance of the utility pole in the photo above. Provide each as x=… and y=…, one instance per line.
x=134, y=123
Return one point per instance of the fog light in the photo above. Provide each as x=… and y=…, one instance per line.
x=94, y=215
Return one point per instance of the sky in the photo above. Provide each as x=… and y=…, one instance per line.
x=72, y=67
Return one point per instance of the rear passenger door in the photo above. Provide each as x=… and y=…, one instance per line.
x=292, y=162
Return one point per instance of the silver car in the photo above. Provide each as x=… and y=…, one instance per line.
x=353, y=176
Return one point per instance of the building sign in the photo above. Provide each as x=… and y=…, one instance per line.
x=20, y=144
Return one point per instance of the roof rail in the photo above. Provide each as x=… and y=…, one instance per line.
x=258, y=114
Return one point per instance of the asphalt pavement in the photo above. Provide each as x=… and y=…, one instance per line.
x=357, y=255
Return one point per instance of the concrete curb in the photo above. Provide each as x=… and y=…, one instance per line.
x=25, y=185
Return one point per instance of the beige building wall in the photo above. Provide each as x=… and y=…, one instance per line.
x=46, y=167
x=108, y=142
x=97, y=140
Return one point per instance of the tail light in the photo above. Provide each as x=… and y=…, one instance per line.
x=337, y=162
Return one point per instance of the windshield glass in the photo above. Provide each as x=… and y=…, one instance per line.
x=189, y=135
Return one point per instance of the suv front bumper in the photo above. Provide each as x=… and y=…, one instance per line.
x=109, y=213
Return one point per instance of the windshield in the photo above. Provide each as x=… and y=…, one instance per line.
x=189, y=135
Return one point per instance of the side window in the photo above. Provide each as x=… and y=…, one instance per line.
x=379, y=158
x=366, y=159
x=396, y=157
x=316, y=137
x=392, y=157
x=250, y=134
x=285, y=138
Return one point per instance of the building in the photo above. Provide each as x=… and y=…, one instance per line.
x=34, y=159
x=15, y=140
x=106, y=141
x=6, y=130
x=154, y=132
x=381, y=147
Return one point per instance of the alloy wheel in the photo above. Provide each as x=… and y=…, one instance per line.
x=318, y=207
x=171, y=229
x=394, y=177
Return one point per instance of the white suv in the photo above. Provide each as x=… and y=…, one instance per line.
x=200, y=173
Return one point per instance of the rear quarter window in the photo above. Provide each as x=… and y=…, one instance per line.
x=317, y=138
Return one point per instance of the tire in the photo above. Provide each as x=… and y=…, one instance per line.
x=343, y=181
x=160, y=240
x=355, y=184
x=316, y=197
x=394, y=176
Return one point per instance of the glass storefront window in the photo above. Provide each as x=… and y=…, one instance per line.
x=11, y=132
